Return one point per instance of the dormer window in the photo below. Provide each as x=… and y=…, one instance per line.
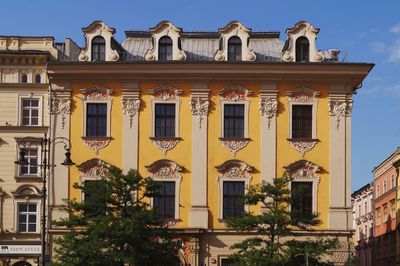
x=165, y=49
x=38, y=78
x=98, y=49
x=24, y=78
x=302, y=50
x=234, y=49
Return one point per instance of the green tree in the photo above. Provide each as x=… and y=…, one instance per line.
x=270, y=227
x=116, y=226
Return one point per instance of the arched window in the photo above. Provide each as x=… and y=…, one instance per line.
x=302, y=50
x=98, y=49
x=234, y=49
x=24, y=78
x=38, y=78
x=165, y=48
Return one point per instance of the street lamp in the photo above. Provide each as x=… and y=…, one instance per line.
x=45, y=167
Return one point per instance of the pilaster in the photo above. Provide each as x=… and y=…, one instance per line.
x=130, y=108
x=340, y=107
x=199, y=105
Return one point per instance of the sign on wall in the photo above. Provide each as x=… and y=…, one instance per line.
x=20, y=249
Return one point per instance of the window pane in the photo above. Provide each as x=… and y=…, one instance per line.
x=234, y=120
x=302, y=121
x=233, y=192
x=22, y=227
x=301, y=200
x=23, y=208
x=164, y=202
x=32, y=228
x=164, y=120
x=34, y=103
x=96, y=119
x=32, y=219
x=32, y=207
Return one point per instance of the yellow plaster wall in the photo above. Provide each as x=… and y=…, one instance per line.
x=319, y=155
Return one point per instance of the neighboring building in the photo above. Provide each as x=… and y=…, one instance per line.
x=385, y=188
x=23, y=116
x=363, y=224
x=209, y=113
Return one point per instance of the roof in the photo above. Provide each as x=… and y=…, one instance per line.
x=366, y=187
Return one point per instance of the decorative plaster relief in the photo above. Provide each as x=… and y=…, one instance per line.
x=303, y=170
x=97, y=93
x=302, y=95
x=302, y=146
x=130, y=106
x=340, y=108
x=165, y=144
x=96, y=143
x=93, y=169
x=164, y=169
x=268, y=108
x=62, y=106
x=235, y=93
x=234, y=145
x=236, y=29
x=199, y=107
x=234, y=169
x=165, y=28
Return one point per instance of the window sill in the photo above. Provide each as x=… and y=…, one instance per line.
x=165, y=138
x=29, y=178
x=303, y=140
x=234, y=139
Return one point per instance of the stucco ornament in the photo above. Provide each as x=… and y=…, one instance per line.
x=165, y=144
x=234, y=145
x=130, y=107
x=303, y=170
x=61, y=106
x=234, y=29
x=96, y=144
x=302, y=146
x=165, y=93
x=97, y=93
x=340, y=108
x=199, y=107
x=268, y=108
x=164, y=169
x=93, y=169
x=234, y=93
x=234, y=169
x=302, y=95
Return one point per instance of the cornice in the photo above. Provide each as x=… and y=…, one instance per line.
x=349, y=73
x=25, y=86
x=23, y=129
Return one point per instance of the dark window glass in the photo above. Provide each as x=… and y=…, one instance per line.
x=30, y=112
x=233, y=121
x=234, y=49
x=164, y=201
x=24, y=78
x=31, y=156
x=98, y=49
x=96, y=119
x=165, y=49
x=302, y=49
x=301, y=208
x=233, y=193
x=302, y=121
x=165, y=120
x=38, y=78
x=27, y=218
x=226, y=262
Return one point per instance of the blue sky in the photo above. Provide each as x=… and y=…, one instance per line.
x=365, y=31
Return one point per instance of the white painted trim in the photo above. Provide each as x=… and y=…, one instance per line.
x=38, y=213
x=27, y=97
x=178, y=180
x=315, y=182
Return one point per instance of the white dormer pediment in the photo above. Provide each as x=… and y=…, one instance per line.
x=165, y=28
x=234, y=29
x=302, y=29
x=99, y=28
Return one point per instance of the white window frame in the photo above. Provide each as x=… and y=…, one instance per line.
x=97, y=94
x=303, y=96
x=38, y=158
x=33, y=198
x=168, y=171
x=40, y=109
x=165, y=95
x=26, y=214
x=235, y=94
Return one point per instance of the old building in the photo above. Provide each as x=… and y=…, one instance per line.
x=385, y=188
x=363, y=224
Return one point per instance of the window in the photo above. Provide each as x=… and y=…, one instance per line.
x=365, y=208
x=233, y=120
x=165, y=49
x=365, y=231
x=378, y=192
x=384, y=186
x=98, y=49
x=165, y=120
x=392, y=209
x=96, y=120
x=31, y=156
x=225, y=262
x=38, y=78
x=359, y=210
x=302, y=199
x=302, y=49
x=360, y=234
x=164, y=201
x=234, y=49
x=385, y=213
x=378, y=216
x=30, y=112
x=302, y=121
x=92, y=195
x=27, y=218
x=24, y=78
x=233, y=204
x=392, y=184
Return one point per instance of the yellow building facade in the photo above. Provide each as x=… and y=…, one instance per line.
x=196, y=80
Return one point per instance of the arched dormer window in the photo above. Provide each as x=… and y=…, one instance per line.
x=234, y=49
x=165, y=49
x=24, y=78
x=98, y=49
x=38, y=78
x=302, y=49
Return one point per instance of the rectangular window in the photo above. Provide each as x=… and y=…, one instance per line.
x=96, y=120
x=233, y=193
x=30, y=112
x=378, y=216
x=164, y=201
x=226, y=262
x=384, y=186
x=392, y=182
x=385, y=212
x=392, y=209
x=302, y=198
x=302, y=121
x=365, y=231
x=233, y=120
x=165, y=120
x=365, y=208
x=27, y=218
x=378, y=192
x=31, y=156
